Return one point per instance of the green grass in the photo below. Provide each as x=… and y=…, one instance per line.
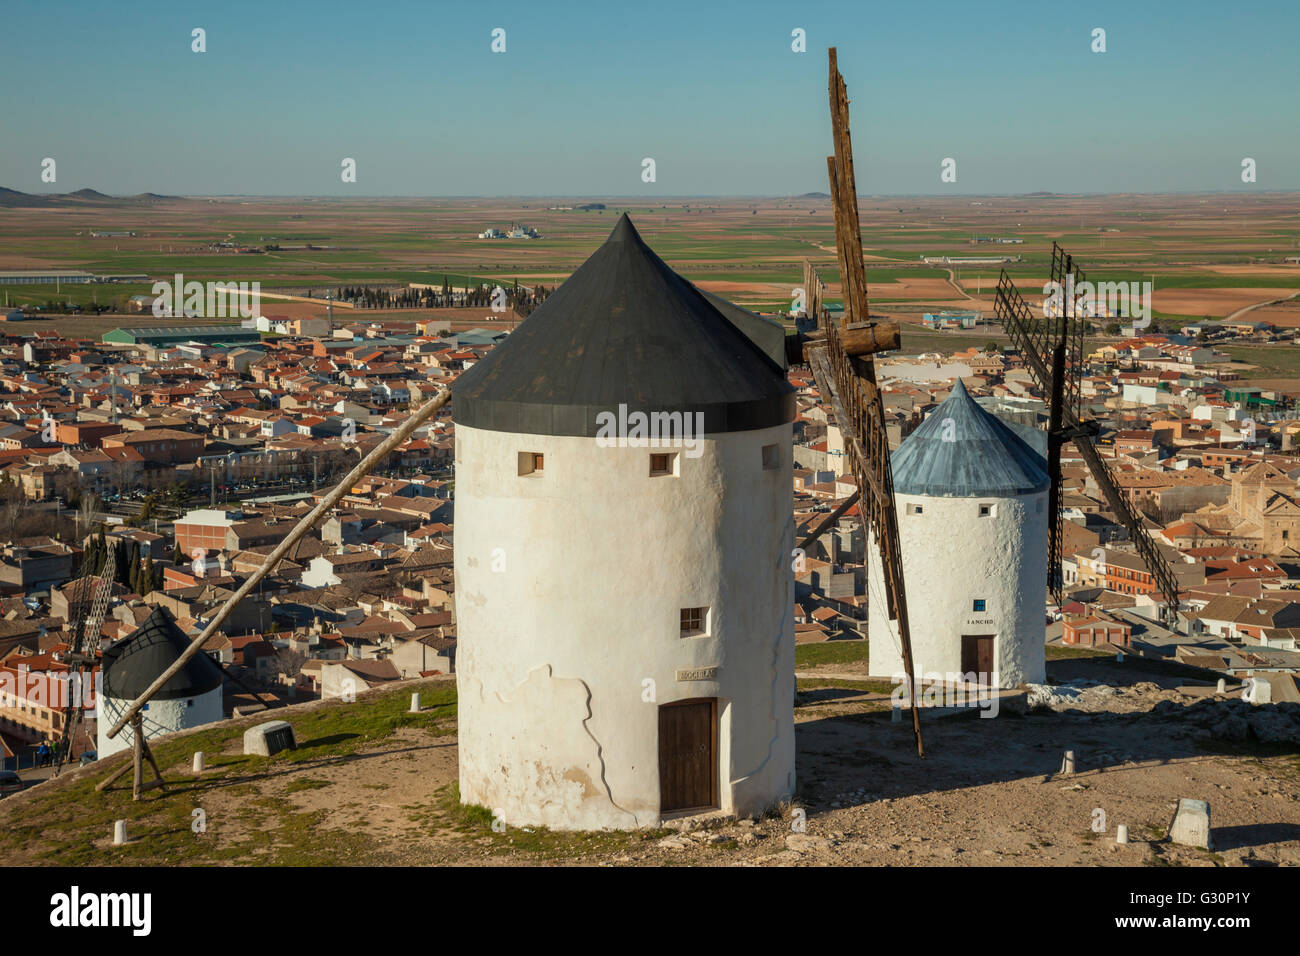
x=63, y=823
x=1271, y=361
x=477, y=822
x=866, y=686
x=830, y=652
x=1055, y=652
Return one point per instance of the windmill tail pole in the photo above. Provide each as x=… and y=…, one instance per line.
x=363, y=468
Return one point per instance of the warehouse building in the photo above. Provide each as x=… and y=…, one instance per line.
x=175, y=335
x=48, y=277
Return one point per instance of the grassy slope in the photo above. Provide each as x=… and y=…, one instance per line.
x=68, y=823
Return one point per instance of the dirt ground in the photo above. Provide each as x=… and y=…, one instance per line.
x=988, y=792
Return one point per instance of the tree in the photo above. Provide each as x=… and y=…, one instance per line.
x=992, y=348
x=288, y=663
x=88, y=508
x=121, y=563
x=1112, y=328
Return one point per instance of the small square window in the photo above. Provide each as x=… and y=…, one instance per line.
x=663, y=463
x=771, y=457
x=914, y=509
x=986, y=511
x=695, y=621
x=979, y=604
x=530, y=463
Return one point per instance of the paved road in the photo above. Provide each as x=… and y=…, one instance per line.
x=1258, y=305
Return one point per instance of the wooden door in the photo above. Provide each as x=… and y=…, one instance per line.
x=688, y=762
x=977, y=655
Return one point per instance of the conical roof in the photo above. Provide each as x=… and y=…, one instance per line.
x=623, y=330
x=962, y=451
x=136, y=661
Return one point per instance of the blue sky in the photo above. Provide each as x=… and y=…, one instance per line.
x=711, y=90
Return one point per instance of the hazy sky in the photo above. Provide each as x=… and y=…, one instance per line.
x=711, y=90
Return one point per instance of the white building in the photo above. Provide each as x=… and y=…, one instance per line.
x=190, y=699
x=625, y=629
x=972, y=499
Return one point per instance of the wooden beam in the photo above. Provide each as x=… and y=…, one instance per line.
x=829, y=520
x=363, y=468
x=137, y=756
x=856, y=377
x=862, y=339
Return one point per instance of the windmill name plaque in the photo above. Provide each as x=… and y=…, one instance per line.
x=698, y=673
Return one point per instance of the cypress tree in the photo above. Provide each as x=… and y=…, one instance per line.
x=121, y=564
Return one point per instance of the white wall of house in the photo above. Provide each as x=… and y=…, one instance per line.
x=952, y=557
x=160, y=717
x=319, y=573
x=569, y=589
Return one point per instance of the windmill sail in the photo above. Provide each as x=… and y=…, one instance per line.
x=1052, y=347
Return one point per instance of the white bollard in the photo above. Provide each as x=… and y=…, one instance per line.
x=1191, y=826
x=1221, y=687
x=1067, y=764
x=119, y=833
x=1121, y=833
x=198, y=761
x=415, y=703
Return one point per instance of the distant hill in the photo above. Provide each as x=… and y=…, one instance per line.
x=813, y=196
x=14, y=199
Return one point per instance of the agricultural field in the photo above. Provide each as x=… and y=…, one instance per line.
x=1206, y=256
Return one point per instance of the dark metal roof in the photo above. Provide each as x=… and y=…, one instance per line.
x=961, y=451
x=624, y=329
x=136, y=661
x=767, y=334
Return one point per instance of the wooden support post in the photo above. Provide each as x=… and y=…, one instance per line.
x=137, y=757
x=112, y=777
x=148, y=755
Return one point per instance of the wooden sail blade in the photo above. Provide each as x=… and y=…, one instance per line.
x=849, y=384
x=1165, y=581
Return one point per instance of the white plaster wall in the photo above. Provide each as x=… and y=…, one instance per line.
x=595, y=561
x=162, y=717
x=952, y=556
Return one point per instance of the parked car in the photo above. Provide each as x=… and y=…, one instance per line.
x=90, y=756
x=10, y=782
